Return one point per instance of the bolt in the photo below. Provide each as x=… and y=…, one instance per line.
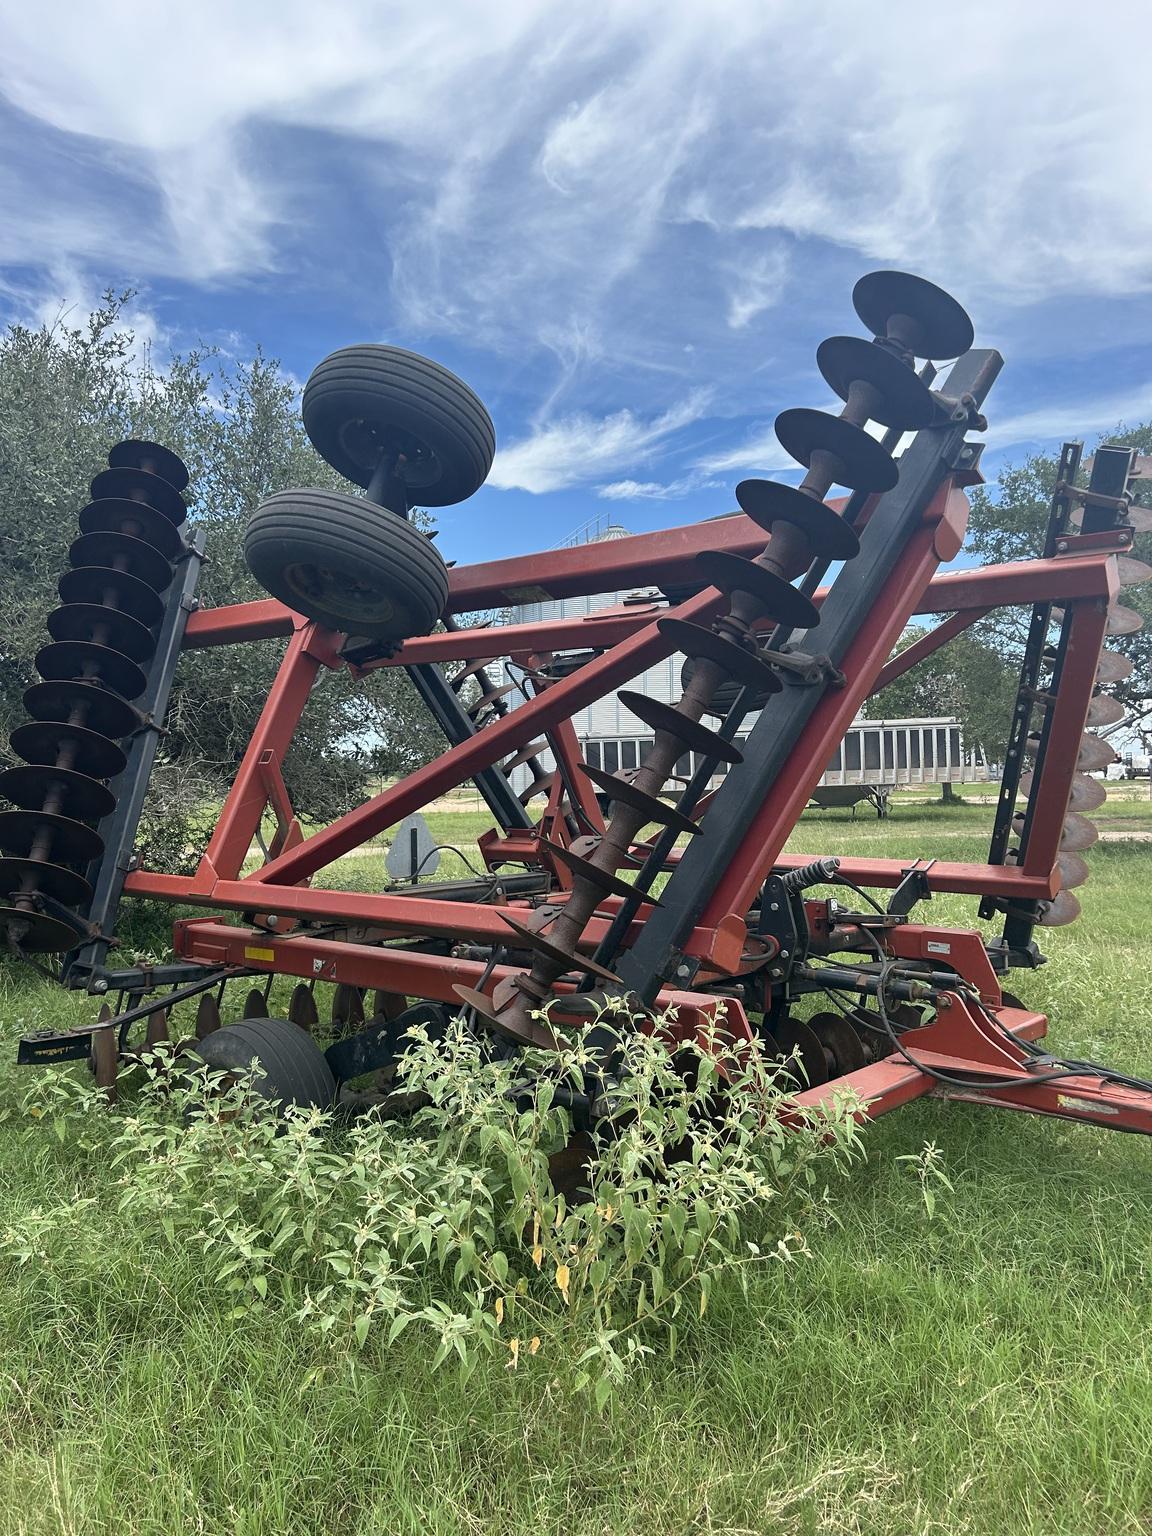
x=683, y=971
x=1061, y=546
x=773, y=906
x=784, y=954
x=100, y=986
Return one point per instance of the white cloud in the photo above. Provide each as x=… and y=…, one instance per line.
x=761, y=452
x=653, y=490
x=576, y=449
x=1074, y=419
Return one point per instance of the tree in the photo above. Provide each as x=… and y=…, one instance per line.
x=67, y=392
x=967, y=679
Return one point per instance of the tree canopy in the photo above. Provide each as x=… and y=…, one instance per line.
x=68, y=391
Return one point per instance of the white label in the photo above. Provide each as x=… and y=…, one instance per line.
x=934, y=947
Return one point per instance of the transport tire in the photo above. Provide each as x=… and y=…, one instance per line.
x=364, y=400
x=347, y=564
x=291, y=1067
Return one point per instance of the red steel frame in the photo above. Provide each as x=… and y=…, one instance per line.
x=1082, y=579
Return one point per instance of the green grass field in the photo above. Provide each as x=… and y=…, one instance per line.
x=986, y=1370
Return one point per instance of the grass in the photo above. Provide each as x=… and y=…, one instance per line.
x=986, y=1370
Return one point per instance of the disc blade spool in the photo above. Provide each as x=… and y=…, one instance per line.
x=1086, y=795
x=207, y=1016
x=81, y=661
x=862, y=464
x=742, y=666
x=520, y=1031
x=1060, y=911
x=20, y=876
x=122, y=553
x=802, y=1053
x=1131, y=572
x=35, y=932
x=139, y=453
x=542, y=945
x=140, y=485
x=603, y=879
x=87, y=703
x=928, y=321
x=1073, y=870
x=768, y=502
x=1124, y=621
x=1103, y=710
x=76, y=794
x=348, y=1006
x=904, y=400
x=1113, y=668
x=119, y=631
x=781, y=600
x=627, y=794
x=101, y=587
x=46, y=741
x=72, y=841
x=693, y=736
x=135, y=519
x=255, y=1006
x=839, y=1040
x=302, y=1010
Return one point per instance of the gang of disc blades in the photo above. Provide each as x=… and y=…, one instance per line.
x=80, y=796
x=101, y=586
x=862, y=463
x=82, y=661
x=91, y=705
x=943, y=328
x=44, y=741
x=73, y=842
x=140, y=485
x=84, y=621
x=136, y=519
x=154, y=458
x=768, y=502
x=781, y=600
x=906, y=402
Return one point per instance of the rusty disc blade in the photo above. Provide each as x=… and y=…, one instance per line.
x=934, y=324
x=741, y=665
x=602, y=879
x=1060, y=911
x=1104, y=710
x=122, y=553
x=81, y=661
x=1093, y=754
x=1113, y=668
x=1086, y=795
x=139, y=453
x=840, y=1041
x=693, y=736
x=800, y=1049
x=1073, y=870
x=73, y=794
x=544, y=946
x=1079, y=832
x=626, y=793
x=207, y=1016
x=102, y=587
x=56, y=880
x=1124, y=621
x=302, y=1010
x=1132, y=572
x=520, y=1031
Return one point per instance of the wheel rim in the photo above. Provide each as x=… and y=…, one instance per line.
x=416, y=463
x=338, y=593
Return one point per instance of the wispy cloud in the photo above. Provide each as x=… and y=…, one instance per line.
x=1073, y=419
x=761, y=451
x=654, y=490
x=580, y=449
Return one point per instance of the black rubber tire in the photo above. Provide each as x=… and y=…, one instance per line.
x=362, y=399
x=293, y=1069
x=347, y=563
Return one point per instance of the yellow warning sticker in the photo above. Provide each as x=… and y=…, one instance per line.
x=259, y=954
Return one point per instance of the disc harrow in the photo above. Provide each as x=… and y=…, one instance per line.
x=659, y=888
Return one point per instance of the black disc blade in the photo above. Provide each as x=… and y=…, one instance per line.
x=84, y=704
x=48, y=741
x=862, y=464
x=925, y=319
x=839, y=1040
x=62, y=884
x=136, y=519
x=102, y=626
x=782, y=601
x=35, y=932
x=521, y=1031
x=602, y=879
x=742, y=666
x=302, y=1010
x=71, y=841
x=624, y=791
x=103, y=587
x=138, y=453
x=122, y=553
x=801, y=1050
x=81, y=661
x=900, y=399
x=533, y=749
x=141, y=485
x=58, y=790
x=771, y=501
x=693, y=736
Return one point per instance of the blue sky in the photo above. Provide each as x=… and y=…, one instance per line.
x=627, y=225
